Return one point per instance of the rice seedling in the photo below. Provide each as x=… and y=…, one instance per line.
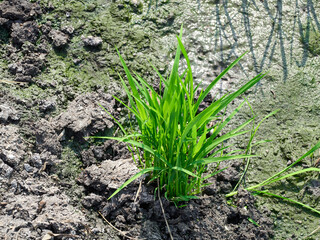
x=280, y=176
x=173, y=145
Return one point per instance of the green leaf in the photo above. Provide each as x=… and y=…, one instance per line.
x=254, y=222
x=200, y=142
x=220, y=159
x=214, y=173
x=289, y=200
x=133, y=87
x=208, y=89
x=207, y=148
x=137, y=175
x=119, y=124
x=185, y=171
x=291, y=174
x=313, y=149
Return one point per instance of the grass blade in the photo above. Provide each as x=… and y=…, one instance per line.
x=208, y=89
x=137, y=175
x=220, y=159
x=289, y=200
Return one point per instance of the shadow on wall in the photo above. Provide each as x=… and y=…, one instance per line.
x=276, y=36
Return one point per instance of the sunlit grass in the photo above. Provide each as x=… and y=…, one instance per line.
x=173, y=134
x=281, y=175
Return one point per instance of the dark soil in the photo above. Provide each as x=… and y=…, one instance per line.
x=54, y=181
x=139, y=215
x=34, y=178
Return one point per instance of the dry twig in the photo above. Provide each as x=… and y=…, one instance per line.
x=164, y=215
x=313, y=232
x=139, y=190
x=118, y=230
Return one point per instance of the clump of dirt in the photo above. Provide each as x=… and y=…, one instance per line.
x=29, y=41
x=18, y=18
x=137, y=212
x=34, y=203
x=84, y=117
x=8, y=113
x=22, y=10
x=139, y=215
x=108, y=150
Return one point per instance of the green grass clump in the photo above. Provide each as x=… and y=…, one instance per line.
x=173, y=136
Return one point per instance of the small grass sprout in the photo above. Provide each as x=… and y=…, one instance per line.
x=173, y=144
x=284, y=175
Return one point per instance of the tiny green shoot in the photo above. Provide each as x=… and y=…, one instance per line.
x=280, y=176
x=253, y=221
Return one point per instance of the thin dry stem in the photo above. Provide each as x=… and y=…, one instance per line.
x=313, y=232
x=164, y=215
x=139, y=190
x=118, y=230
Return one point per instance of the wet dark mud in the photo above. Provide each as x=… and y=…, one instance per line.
x=139, y=215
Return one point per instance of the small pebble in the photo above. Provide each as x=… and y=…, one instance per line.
x=28, y=168
x=91, y=41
